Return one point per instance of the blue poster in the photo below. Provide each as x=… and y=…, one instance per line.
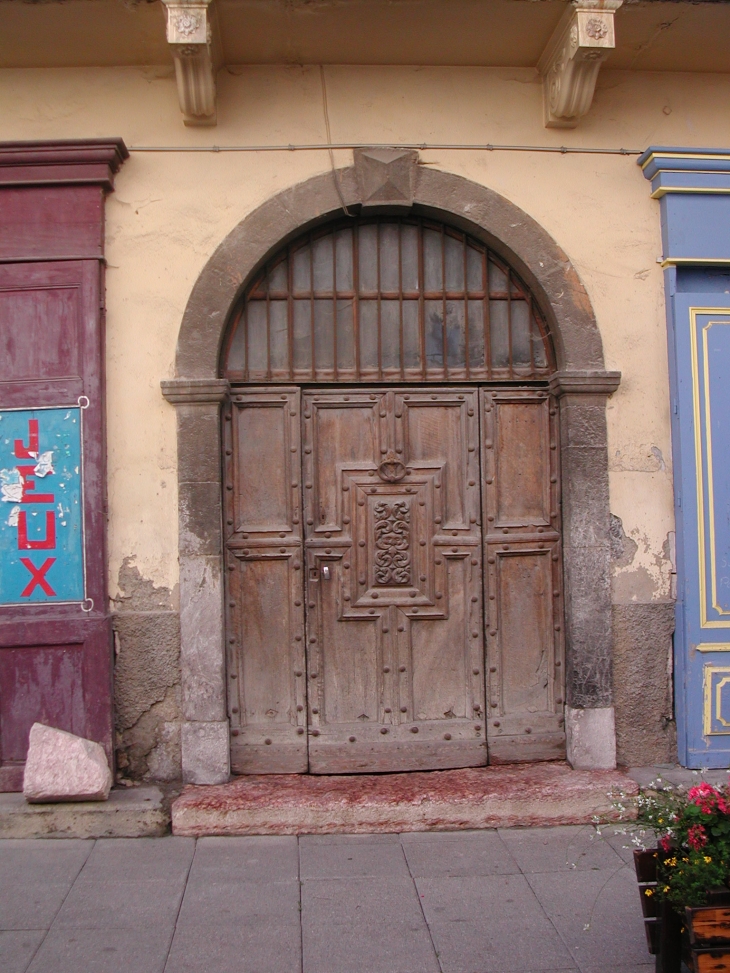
x=41, y=510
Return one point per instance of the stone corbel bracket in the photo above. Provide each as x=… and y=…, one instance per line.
x=193, y=39
x=572, y=59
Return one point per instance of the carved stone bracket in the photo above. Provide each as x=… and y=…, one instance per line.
x=572, y=59
x=193, y=42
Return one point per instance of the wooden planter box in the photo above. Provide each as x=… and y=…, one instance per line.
x=701, y=937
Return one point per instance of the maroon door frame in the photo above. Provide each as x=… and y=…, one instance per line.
x=56, y=660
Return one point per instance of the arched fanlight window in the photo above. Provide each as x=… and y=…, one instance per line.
x=386, y=300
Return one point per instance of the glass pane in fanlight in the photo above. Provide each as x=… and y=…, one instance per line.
x=475, y=261
x=389, y=260
x=237, y=349
x=454, y=263
x=368, y=334
x=497, y=279
x=476, y=334
x=499, y=333
x=409, y=257
x=455, y=334
x=368, y=258
x=433, y=271
x=301, y=271
x=279, y=335
x=411, y=339
x=538, y=346
x=324, y=341
x=278, y=277
x=390, y=333
x=257, y=350
x=302, y=312
x=520, y=313
x=434, y=323
x=322, y=264
x=345, y=337
x=343, y=250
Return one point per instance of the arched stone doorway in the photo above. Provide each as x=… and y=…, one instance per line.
x=575, y=375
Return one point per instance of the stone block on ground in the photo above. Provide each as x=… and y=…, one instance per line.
x=134, y=812
x=63, y=767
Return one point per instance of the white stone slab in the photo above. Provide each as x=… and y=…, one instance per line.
x=63, y=767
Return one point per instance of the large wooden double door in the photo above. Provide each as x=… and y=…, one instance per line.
x=394, y=598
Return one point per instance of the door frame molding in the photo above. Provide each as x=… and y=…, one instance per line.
x=581, y=381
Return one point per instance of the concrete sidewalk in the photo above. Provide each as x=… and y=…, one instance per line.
x=456, y=902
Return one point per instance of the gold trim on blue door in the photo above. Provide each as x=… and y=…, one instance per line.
x=704, y=466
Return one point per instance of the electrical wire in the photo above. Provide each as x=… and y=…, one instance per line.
x=421, y=146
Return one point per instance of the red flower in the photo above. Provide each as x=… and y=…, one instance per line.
x=696, y=837
x=665, y=843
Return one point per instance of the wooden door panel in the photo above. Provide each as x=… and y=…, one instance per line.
x=522, y=468
x=523, y=593
x=393, y=618
x=266, y=661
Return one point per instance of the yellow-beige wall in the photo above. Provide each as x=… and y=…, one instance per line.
x=171, y=210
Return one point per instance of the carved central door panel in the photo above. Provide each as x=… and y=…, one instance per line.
x=395, y=667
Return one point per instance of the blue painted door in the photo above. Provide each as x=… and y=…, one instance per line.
x=699, y=349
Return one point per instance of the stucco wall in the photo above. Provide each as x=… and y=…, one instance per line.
x=170, y=211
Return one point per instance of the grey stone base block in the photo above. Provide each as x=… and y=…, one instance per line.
x=591, y=738
x=135, y=812
x=206, y=755
x=642, y=684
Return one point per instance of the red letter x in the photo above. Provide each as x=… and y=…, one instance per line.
x=38, y=576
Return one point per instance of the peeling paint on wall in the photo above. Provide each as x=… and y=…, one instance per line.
x=146, y=678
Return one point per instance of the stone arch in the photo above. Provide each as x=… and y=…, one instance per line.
x=581, y=381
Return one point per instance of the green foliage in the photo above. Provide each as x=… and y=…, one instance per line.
x=693, y=841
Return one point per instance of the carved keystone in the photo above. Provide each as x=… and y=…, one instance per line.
x=386, y=177
x=190, y=36
x=572, y=59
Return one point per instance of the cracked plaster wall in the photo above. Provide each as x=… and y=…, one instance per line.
x=171, y=210
x=146, y=678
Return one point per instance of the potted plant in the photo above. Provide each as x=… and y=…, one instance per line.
x=687, y=870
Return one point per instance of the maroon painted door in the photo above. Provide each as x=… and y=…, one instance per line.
x=55, y=627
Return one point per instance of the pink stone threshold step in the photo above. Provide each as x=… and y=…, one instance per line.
x=449, y=800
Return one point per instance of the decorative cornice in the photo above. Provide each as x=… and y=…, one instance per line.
x=672, y=169
x=585, y=383
x=63, y=161
x=570, y=63
x=193, y=42
x=194, y=391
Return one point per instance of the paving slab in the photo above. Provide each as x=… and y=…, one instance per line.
x=130, y=812
x=457, y=854
x=256, y=858
x=35, y=878
x=559, y=849
x=589, y=908
x=18, y=948
x=359, y=925
x=102, y=951
x=139, y=859
x=356, y=856
x=490, y=923
x=249, y=948
x=450, y=800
